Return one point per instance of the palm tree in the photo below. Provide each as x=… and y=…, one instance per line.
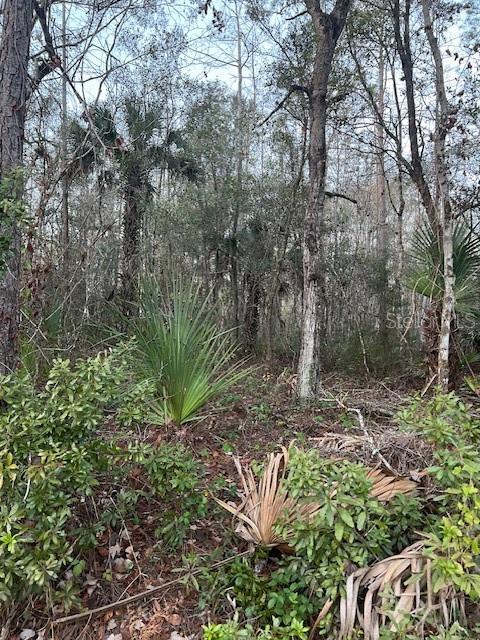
x=426, y=278
x=134, y=159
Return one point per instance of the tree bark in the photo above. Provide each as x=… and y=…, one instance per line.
x=415, y=167
x=132, y=222
x=64, y=154
x=328, y=28
x=239, y=179
x=444, y=121
x=14, y=56
x=381, y=200
x=252, y=310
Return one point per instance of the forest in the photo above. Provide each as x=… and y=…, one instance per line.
x=239, y=319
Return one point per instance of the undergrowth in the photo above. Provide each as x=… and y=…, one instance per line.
x=278, y=595
x=54, y=463
x=67, y=479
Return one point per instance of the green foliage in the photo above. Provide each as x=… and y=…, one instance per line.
x=134, y=404
x=51, y=461
x=232, y=630
x=406, y=630
x=262, y=411
x=426, y=275
x=444, y=420
x=68, y=409
x=352, y=529
x=48, y=462
x=180, y=350
x=453, y=538
x=173, y=472
x=12, y=209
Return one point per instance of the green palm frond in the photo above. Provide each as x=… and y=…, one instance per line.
x=426, y=273
x=181, y=350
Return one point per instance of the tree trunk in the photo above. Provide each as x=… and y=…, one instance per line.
x=64, y=154
x=14, y=56
x=252, y=310
x=328, y=28
x=132, y=221
x=444, y=122
x=284, y=232
x=415, y=167
x=239, y=179
x=381, y=201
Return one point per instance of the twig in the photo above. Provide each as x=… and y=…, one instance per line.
x=298, y=15
x=336, y=194
x=428, y=385
x=367, y=435
x=143, y=594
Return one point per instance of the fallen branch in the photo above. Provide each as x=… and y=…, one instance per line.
x=90, y=613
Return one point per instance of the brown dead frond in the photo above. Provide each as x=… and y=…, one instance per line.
x=406, y=454
x=387, y=591
x=385, y=486
x=266, y=502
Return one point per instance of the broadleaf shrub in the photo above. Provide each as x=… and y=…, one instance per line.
x=49, y=460
x=351, y=529
x=453, y=535
x=53, y=458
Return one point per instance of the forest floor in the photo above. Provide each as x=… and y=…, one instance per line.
x=354, y=417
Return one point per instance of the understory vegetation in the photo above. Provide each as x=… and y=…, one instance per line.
x=337, y=547
x=239, y=320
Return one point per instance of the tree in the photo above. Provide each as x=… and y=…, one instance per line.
x=14, y=57
x=444, y=121
x=328, y=28
x=135, y=160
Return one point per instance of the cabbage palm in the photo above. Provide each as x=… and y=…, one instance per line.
x=134, y=160
x=426, y=278
x=426, y=274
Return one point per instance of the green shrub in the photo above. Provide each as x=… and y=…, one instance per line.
x=174, y=473
x=182, y=353
x=351, y=530
x=49, y=461
x=232, y=630
x=453, y=535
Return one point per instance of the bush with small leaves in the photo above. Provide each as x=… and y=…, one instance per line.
x=50, y=461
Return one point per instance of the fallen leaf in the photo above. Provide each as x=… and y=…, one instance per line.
x=114, y=550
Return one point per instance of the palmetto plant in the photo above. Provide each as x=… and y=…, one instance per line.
x=180, y=349
x=426, y=274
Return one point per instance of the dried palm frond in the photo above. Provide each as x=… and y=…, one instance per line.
x=406, y=454
x=385, y=486
x=266, y=503
x=382, y=594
